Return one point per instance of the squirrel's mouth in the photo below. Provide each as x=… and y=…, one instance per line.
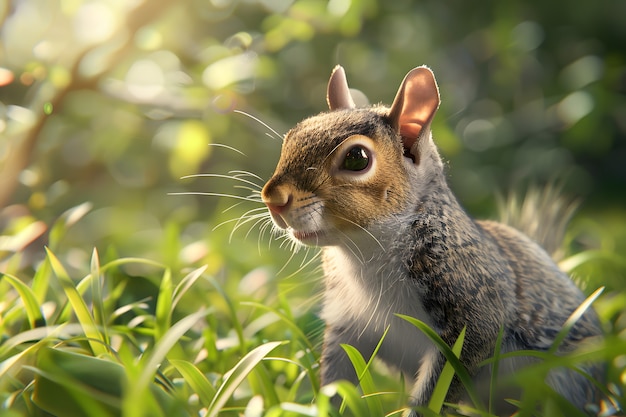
x=307, y=237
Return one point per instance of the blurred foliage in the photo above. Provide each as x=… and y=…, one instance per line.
x=112, y=102
x=106, y=104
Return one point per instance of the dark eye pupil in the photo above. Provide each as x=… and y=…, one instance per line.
x=356, y=159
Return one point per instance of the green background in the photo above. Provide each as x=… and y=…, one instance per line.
x=110, y=103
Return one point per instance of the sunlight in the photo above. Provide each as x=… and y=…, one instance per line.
x=94, y=23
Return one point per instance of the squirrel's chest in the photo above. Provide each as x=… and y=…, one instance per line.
x=364, y=297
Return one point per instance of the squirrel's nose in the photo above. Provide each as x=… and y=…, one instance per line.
x=277, y=197
x=278, y=206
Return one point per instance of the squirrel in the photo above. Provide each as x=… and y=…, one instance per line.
x=368, y=186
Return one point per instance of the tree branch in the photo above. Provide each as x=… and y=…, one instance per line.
x=21, y=147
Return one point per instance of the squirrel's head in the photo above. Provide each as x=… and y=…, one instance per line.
x=345, y=171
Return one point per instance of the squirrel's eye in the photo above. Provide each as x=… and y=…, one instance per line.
x=356, y=159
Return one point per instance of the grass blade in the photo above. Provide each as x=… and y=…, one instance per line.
x=29, y=300
x=495, y=369
x=365, y=380
x=41, y=282
x=196, y=380
x=573, y=318
x=135, y=403
x=163, y=313
x=445, y=379
x=459, y=368
x=96, y=295
x=95, y=338
x=13, y=364
x=186, y=283
x=262, y=384
x=575, y=261
x=237, y=374
x=349, y=394
x=233, y=313
x=169, y=339
x=285, y=319
x=71, y=384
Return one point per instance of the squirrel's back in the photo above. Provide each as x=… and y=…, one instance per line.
x=545, y=297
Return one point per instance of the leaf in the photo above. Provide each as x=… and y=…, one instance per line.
x=96, y=294
x=29, y=300
x=196, y=380
x=459, y=368
x=350, y=395
x=13, y=363
x=163, y=314
x=365, y=379
x=575, y=261
x=261, y=383
x=364, y=376
x=123, y=261
x=66, y=383
x=41, y=282
x=237, y=374
x=445, y=378
x=71, y=384
x=86, y=282
x=134, y=404
x=285, y=319
x=495, y=369
x=233, y=313
x=573, y=318
x=186, y=283
x=95, y=338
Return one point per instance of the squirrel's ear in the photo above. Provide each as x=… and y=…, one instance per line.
x=338, y=93
x=415, y=105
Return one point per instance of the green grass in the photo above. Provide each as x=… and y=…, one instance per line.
x=107, y=335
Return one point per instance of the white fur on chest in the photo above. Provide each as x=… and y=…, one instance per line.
x=364, y=298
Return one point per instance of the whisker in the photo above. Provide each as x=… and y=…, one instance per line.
x=230, y=177
x=305, y=263
x=291, y=256
x=267, y=222
x=227, y=209
x=364, y=229
x=261, y=217
x=276, y=234
x=221, y=145
x=254, y=191
x=261, y=210
x=291, y=244
x=261, y=122
x=374, y=310
x=245, y=215
x=209, y=194
x=226, y=222
x=242, y=221
x=317, y=254
x=240, y=173
x=353, y=248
